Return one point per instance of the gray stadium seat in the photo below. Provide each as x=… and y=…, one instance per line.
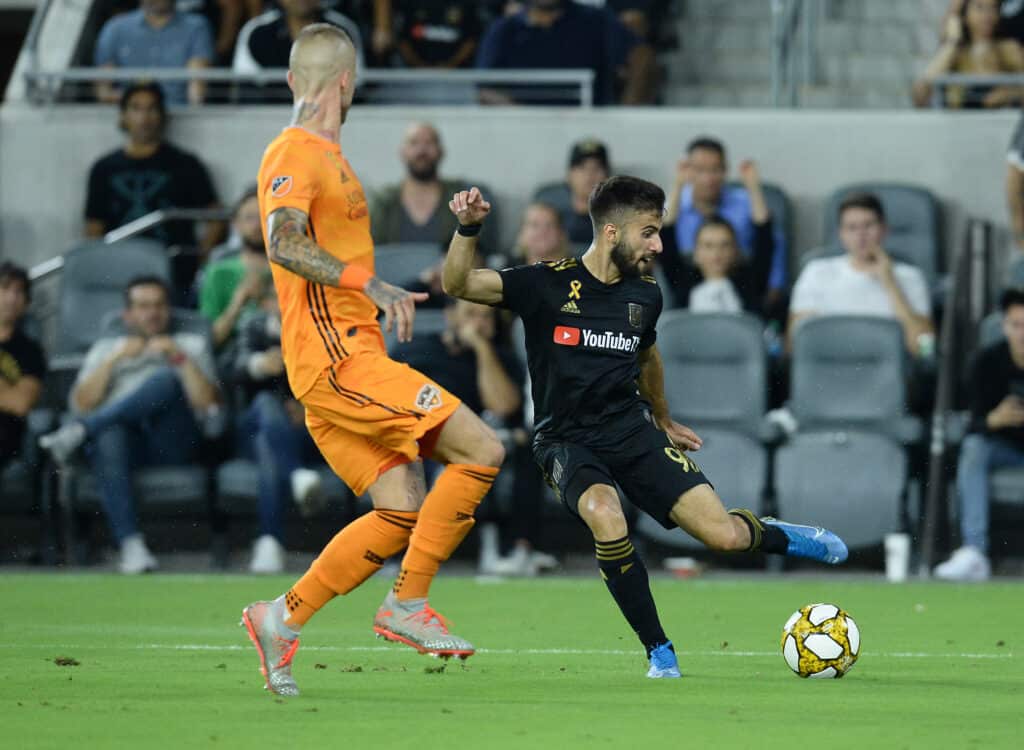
x=1015, y=273
x=428, y=321
x=92, y=284
x=779, y=206
x=914, y=216
x=402, y=262
x=850, y=482
x=715, y=369
x=736, y=465
x=851, y=372
x=990, y=330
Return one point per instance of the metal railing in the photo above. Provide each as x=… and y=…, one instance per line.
x=941, y=83
x=794, y=48
x=421, y=86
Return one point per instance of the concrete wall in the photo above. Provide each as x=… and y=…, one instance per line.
x=45, y=155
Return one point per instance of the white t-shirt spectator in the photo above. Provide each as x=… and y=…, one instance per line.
x=832, y=286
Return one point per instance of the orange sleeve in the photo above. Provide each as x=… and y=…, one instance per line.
x=291, y=179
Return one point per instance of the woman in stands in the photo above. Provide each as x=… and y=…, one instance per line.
x=974, y=42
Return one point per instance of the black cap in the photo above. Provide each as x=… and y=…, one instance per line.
x=589, y=149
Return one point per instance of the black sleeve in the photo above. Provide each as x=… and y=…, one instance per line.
x=751, y=276
x=650, y=334
x=201, y=193
x=983, y=391
x=521, y=288
x=35, y=361
x=96, y=199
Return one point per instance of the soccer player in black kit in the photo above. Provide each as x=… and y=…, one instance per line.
x=598, y=391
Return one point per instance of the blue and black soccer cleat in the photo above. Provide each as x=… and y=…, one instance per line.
x=812, y=542
x=664, y=662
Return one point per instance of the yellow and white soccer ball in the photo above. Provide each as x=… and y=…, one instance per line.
x=820, y=640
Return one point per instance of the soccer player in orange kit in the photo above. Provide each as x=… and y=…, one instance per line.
x=371, y=417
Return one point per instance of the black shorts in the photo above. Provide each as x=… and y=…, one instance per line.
x=651, y=471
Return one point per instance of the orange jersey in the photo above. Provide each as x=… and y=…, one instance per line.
x=301, y=170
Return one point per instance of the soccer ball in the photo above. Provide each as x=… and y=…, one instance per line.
x=820, y=640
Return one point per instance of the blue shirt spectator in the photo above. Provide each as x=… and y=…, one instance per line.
x=734, y=208
x=559, y=34
x=155, y=36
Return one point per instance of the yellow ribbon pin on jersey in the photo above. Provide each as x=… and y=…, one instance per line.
x=574, y=289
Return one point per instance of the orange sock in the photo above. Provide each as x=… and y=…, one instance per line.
x=353, y=555
x=445, y=519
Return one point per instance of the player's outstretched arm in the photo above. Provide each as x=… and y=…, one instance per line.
x=291, y=247
x=652, y=388
x=459, y=278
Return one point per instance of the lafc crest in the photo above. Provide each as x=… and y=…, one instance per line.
x=635, y=314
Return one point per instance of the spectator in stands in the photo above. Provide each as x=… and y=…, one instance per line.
x=239, y=281
x=427, y=33
x=1011, y=17
x=700, y=191
x=588, y=166
x=155, y=36
x=22, y=364
x=564, y=34
x=995, y=439
x=225, y=18
x=719, y=278
x=138, y=400
x=273, y=433
x=266, y=40
x=865, y=280
x=416, y=209
x=1015, y=184
x=974, y=43
x=149, y=173
x=541, y=235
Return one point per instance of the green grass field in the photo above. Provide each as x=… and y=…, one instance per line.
x=162, y=664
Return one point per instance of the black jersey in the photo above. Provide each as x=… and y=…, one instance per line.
x=582, y=343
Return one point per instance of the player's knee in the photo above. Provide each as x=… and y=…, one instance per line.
x=603, y=514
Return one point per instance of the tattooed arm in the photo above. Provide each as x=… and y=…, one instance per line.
x=291, y=247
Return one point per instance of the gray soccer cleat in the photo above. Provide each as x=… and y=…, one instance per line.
x=275, y=652
x=422, y=628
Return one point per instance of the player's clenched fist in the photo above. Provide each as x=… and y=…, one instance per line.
x=469, y=206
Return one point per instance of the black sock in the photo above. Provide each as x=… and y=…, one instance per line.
x=766, y=538
x=626, y=578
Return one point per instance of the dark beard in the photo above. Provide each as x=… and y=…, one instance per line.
x=622, y=262
x=425, y=174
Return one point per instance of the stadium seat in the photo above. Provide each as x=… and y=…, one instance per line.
x=736, y=464
x=168, y=489
x=401, y=262
x=715, y=369
x=428, y=321
x=990, y=330
x=780, y=207
x=850, y=372
x=92, y=285
x=851, y=482
x=914, y=216
x=1015, y=273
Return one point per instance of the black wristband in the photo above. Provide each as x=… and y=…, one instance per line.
x=469, y=230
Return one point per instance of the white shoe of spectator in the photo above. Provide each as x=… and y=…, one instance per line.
x=307, y=491
x=543, y=561
x=966, y=564
x=136, y=557
x=267, y=556
x=489, y=556
x=518, y=564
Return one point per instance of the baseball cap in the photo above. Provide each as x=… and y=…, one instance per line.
x=589, y=149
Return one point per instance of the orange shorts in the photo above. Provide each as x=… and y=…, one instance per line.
x=369, y=413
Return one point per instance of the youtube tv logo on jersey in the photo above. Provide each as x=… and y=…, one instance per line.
x=567, y=336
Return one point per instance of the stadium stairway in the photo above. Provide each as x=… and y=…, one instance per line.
x=868, y=53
